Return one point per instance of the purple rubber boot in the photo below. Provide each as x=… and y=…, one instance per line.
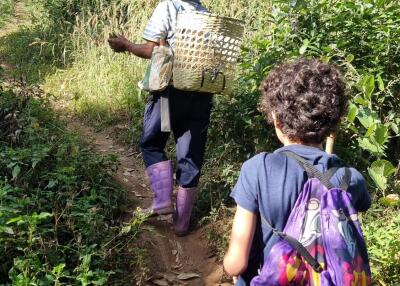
x=185, y=200
x=161, y=182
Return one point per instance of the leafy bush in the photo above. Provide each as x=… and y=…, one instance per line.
x=381, y=231
x=360, y=37
x=59, y=210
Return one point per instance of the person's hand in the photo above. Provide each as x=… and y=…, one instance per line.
x=119, y=44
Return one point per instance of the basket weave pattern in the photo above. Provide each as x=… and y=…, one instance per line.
x=206, y=52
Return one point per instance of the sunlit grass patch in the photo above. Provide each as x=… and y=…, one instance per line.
x=6, y=10
x=30, y=57
x=99, y=85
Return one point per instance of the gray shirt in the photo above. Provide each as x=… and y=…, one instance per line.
x=163, y=21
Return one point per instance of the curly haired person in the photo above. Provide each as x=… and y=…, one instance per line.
x=189, y=115
x=304, y=100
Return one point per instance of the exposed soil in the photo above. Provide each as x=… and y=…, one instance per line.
x=174, y=260
x=21, y=18
x=170, y=255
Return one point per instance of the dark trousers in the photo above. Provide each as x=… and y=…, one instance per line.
x=190, y=117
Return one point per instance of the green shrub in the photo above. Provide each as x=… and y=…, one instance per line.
x=364, y=49
x=360, y=37
x=381, y=231
x=59, y=208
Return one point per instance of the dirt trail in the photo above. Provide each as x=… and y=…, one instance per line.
x=20, y=18
x=170, y=256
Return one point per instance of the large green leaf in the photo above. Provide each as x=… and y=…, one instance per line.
x=352, y=113
x=381, y=85
x=371, y=130
x=368, y=86
x=304, y=47
x=386, y=166
x=381, y=134
x=15, y=171
x=371, y=146
x=379, y=172
x=367, y=117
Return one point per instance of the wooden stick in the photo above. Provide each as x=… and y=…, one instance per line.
x=330, y=143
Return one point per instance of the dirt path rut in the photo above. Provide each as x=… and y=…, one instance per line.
x=172, y=258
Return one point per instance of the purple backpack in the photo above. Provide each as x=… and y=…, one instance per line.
x=322, y=243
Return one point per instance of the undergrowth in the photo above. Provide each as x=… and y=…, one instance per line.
x=60, y=212
x=360, y=37
x=6, y=11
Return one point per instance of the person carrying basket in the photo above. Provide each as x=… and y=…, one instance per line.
x=189, y=118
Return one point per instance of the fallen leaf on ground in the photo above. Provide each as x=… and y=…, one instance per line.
x=127, y=174
x=187, y=276
x=160, y=282
x=169, y=277
x=138, y=195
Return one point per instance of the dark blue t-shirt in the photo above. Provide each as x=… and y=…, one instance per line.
x=271, y=182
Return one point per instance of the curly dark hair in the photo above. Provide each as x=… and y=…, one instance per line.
x=308, y=98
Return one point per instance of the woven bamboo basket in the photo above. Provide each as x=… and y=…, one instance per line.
x=206, y=51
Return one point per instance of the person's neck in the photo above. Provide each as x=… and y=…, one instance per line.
x=287, y=142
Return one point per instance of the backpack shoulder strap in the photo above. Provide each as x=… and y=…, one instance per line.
x=310, y=169
x=324, y=178
x=346, y=179
x=296, y=245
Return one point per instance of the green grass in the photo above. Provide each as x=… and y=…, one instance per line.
x=61, y=213
x=73, y=62
x=99, y=85
x=79, y=67
x=31, y=58
x=6, y=11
